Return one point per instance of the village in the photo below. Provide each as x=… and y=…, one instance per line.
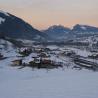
x=52, y=56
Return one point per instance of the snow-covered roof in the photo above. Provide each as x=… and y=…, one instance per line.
x=2, y=20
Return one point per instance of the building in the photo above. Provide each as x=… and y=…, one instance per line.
x=17, y=62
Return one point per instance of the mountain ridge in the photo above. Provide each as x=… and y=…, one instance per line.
x=15, y=27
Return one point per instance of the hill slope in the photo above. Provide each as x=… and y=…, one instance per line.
x=14, y=27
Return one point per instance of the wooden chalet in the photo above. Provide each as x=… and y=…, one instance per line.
x=17, y=62
x=1, y=56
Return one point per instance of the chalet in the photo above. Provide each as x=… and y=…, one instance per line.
x=25, y=51
x=37, y=60
x=47, y=49
x=1, y=56
x=43, y=54
x=93, y=56
x=39, y=49
x=46, y=60
x=67, y=53
x=17, y=62
x=43, y=63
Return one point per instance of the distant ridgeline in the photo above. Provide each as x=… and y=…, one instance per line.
x=14, y=27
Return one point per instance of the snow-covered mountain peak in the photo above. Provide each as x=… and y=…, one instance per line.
x=83, y=27
x=5, y=13
x=79, y=27
x=57, y=32
x=60, y=27
x=1, y=20
x=15, y=27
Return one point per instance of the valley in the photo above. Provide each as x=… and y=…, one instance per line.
x=51, y=63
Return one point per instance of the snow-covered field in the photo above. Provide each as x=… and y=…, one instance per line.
x=56, y=83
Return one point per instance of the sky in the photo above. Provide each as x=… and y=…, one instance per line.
x=44, y=13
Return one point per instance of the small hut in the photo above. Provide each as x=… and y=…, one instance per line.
x=17, y=62
x=1, y=56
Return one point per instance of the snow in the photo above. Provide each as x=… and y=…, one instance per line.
x=52, y=47
x=7, y=48
x=29, y=58
x=4, y=13
x=54, y=83
x=25, y=83
x=37, y=37
x=1, y=20
x=27, y=42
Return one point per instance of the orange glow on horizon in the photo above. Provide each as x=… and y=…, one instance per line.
x=44, y=13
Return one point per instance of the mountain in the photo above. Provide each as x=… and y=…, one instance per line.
x=57, y=32
x=14, y=27
x=84, y=30
x=61, y=33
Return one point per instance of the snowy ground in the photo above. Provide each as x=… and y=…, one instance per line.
x=56, y=83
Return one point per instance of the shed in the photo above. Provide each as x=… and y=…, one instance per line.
x=17, y=62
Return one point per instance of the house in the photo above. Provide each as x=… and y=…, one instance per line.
x=43, y=55
x=25, y=51
x=17, y=62
x=47, y=49
x=39, y=50
x=37, y=60
x=68, y=53
x=1, y=56
x=93, y=56
x=46, y=60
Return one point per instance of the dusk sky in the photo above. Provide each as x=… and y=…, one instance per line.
x=43, y=13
